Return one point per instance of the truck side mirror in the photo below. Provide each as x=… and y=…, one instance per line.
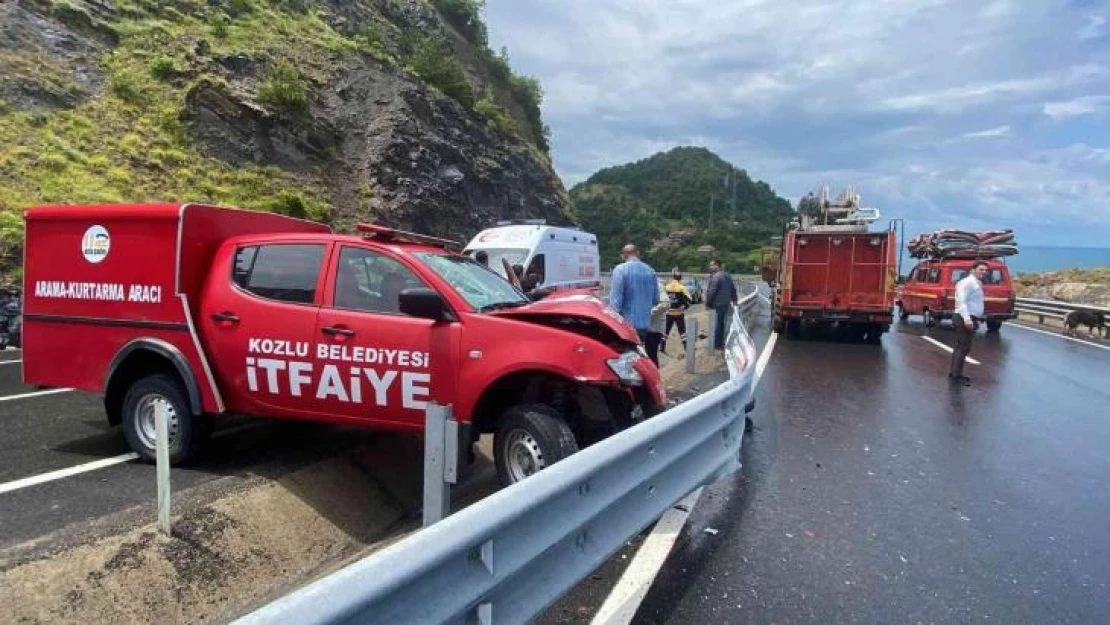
x=425, y=303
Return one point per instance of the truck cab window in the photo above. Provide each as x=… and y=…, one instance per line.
x=934, y=276
x=371, y=282
x=283, y=272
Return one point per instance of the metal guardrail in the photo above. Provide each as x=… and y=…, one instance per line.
x=740, y=280
x=509, y=556
x=1043, y=309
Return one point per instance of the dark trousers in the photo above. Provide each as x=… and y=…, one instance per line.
x=964, y=336
x=672, y=321
x=651, y=346
x=722, y=326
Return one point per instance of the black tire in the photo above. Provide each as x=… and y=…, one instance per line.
x=538, y=433
x=793, y=328
x=186, y=432
x=777, y=325
x=875, y=334
x=993, y=326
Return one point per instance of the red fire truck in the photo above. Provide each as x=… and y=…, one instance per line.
x=205, y=311
x=832, y=270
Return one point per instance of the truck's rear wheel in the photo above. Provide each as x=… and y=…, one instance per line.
x=139, y=406
x=993, y=325
x=777, y=325
x=532, y=437
x=793, y=328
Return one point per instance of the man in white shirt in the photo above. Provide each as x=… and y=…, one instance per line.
x=965, y=319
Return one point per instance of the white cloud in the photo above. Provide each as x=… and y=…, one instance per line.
x=1084, y=105
x=959, y=98
x=1000, y=131
x=1094, y=28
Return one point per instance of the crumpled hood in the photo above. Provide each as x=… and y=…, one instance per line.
x=574, y=308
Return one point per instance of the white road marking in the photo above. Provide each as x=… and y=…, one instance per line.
x=1057, y=335
x=764, y=358
x=949, y=349
x=10, y=362
x=621, y=604
x=35, y=394
x=101, y=464
x=625, y=598
x=59, y=474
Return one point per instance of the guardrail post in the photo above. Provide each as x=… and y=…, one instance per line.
x=441, y=453
x=691, y=339
x=162, y=458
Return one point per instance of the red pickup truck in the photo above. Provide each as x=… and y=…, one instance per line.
x=209, y=311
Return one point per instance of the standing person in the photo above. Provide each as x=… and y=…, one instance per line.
x=965, y=319
x=655, y=332
x=719, y=295
x=635, y=290
x=680, y=302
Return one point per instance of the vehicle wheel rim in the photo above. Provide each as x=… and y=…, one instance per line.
x=523, y=456
x=144, y=416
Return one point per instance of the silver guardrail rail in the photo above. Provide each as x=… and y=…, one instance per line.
x=1043, y=309
x=508, y=557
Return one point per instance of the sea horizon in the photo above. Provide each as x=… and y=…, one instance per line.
x=1044, y=258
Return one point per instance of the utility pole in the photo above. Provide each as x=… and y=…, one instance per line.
x=733, y=195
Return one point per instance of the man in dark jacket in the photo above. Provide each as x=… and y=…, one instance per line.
x=719, y=295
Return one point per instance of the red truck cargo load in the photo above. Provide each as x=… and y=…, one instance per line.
x=207, y=311
x=843, y=277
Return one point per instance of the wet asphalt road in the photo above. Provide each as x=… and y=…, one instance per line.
x=874, y=492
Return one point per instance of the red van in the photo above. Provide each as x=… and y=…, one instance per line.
x=930, y=291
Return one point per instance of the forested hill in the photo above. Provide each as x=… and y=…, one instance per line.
x=674, y=202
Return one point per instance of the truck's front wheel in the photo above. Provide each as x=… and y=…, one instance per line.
x=140, y=404
x=532, y=437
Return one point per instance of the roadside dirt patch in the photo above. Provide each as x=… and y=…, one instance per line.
x=220, y=558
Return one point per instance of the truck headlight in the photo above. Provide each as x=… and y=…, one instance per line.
x=625, y=368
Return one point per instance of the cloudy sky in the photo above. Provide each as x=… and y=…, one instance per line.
x=965, y=113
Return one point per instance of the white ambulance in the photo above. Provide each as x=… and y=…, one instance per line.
x=550, y=257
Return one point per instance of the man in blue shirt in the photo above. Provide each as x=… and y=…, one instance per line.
x=635, y=290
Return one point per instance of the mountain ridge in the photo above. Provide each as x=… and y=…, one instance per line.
x=675, y=202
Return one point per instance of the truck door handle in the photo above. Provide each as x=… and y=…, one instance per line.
x=334, y=331
x=225, y=317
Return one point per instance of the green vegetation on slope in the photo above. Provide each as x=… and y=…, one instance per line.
x=663, y=204
x=127, y=142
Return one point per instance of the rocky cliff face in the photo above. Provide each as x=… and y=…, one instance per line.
x=384, y=148
x=338, y=110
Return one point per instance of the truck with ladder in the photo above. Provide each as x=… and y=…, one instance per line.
x=831, y=269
